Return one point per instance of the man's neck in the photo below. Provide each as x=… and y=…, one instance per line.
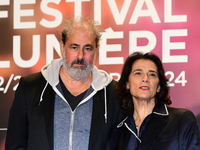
x=74, y=86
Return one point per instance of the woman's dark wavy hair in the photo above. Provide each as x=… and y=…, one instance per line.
x=124, y=94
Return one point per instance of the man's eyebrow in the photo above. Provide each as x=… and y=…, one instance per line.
x=74, y=44
x=88, y=45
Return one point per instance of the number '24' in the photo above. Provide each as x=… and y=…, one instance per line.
x=179, y=79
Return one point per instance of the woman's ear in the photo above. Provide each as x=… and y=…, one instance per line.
x=158, y=89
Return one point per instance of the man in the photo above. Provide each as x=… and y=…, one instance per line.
x=70, y=104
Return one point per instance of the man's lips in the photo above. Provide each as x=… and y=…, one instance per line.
x=78, y=65
x=144, y=88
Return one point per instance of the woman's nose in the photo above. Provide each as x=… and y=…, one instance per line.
x=145, y=78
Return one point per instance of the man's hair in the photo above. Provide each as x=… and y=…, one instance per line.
x=81, y=23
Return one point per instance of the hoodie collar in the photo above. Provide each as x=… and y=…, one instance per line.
x=100, y=78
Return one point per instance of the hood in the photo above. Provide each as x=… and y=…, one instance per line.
x=100, y=78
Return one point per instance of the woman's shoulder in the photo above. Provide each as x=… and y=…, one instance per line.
x=181, y=112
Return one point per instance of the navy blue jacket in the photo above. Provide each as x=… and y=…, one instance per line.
x=167, y=129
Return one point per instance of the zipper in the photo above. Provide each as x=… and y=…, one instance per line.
x=71, y=131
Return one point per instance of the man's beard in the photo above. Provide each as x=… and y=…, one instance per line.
x=78, y=72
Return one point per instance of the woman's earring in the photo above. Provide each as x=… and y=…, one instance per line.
x=158, y=90
x=127, y=86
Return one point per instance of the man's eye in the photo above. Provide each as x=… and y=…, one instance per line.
x=74, y=47
x=88, y=48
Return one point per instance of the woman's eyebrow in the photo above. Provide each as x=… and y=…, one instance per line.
x=137, y=70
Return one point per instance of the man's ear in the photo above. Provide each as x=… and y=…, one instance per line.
x=62, y=48
x=97, y=48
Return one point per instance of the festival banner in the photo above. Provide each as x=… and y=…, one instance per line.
x=30, y=36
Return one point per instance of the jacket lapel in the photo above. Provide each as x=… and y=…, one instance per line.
x=153, y=128
x=96, y=119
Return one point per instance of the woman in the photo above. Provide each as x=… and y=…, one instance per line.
x=151, y=125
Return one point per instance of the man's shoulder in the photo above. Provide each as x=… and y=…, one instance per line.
x=112, y=84
x=32, y=79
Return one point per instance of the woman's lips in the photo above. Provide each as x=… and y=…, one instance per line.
x=144, y=88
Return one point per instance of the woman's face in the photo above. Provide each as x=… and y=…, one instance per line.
x=143, y=80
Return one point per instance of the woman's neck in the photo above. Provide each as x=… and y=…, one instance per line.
x=142, y=109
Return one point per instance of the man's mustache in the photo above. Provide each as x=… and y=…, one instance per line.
x=79, y=61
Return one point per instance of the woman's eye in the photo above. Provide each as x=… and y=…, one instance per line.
x=137, y=73
x=153, y=75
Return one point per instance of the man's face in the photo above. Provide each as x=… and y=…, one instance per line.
x=79, y=53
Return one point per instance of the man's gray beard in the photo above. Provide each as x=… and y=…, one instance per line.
x=79, y=72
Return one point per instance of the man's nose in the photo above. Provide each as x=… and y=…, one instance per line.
x=80, y=54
